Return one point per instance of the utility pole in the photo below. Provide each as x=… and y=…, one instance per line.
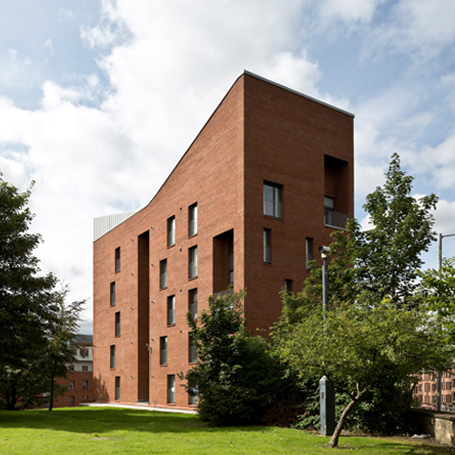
x=440, y=237
x=326, y=391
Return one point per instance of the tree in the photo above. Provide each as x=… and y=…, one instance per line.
x=29, y=303
x=361, y=343
x=236, y=378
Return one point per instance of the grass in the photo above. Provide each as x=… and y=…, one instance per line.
x=130, y=431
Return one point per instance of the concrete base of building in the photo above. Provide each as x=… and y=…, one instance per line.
x=144, y=407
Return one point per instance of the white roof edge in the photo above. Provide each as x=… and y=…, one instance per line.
x=296, y=92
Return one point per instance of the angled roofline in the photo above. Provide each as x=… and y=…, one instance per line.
x=247, y=73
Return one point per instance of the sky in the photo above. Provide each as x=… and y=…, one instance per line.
x=100, y=99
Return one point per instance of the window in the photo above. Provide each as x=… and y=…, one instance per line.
x=84, y=385
x=329, y=211
x=163, y=274
x=192, y=348
x=192, y=220
x=83, y=353
x=267, y=250
x=171, y=231
x=163, y=351
x=84, y=368
x=171, y=388
x=193, y=262
x=71, y=385
x=192, y=392
x=85, y=397
x=117, y=324
x=71, y=400
x=117, y=387
x=272, y=199
x=113, y=356
x=288, y=286
x=171, y=310
x=117, y=259
x=113, y=293
x=231, y=262
x=71, y=367
x=308, y=252
x=193, y=303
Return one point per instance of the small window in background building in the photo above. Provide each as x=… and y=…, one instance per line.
x=308, y=252
x=113, y=356
x=192, y=220
x=171, y=388
x=112, y=289
x=71, y=400
x=85, y=397
x=71, y=385
x=192, y=256
x=117, y=259
x=193, y=303
x=84, y=368
x=171, y=310
x=117, y=324
x=163, y=351
x=84, y=385
x=267, y=249
x=192, y=395
x=70, y=367
x=163, y=274
x=272, y=200
x=171, y=231
x=117, y=387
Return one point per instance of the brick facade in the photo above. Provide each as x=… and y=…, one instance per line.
x=260, y=133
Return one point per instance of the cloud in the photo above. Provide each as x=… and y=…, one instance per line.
x=15, y=72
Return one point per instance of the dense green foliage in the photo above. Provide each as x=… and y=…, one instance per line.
x=372, y=294
x=32, y=311
x=132, y=431
x=236, y=377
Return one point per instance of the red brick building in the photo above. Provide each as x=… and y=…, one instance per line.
x=264, y=183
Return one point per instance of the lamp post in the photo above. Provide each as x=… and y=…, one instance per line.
x=440, y=237
x=326, y=391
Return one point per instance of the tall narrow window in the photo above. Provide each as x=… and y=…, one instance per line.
x=112, y=292
x=171, y=310
x=231, y=262
x=163, y=274
x=267, y=250
x=288, y=286
x=272, y=200
x=171, y=388
x=329, y=211
x=192, y=392
x=71, y=385
x=117, y=387
x=117, y=324
x=84, y=385
x=192, y=220
x=113, y=356
x=117, y=259
x=193, y=303
x=163, y=351
x=192, y=256
x=171, y=231
x=309, y=252
x=192, y=357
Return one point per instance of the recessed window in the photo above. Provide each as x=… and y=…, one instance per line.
x=267, y=249
x=171, y=388
x=84, y=385
x=171, y=310
x=308, y=252
x=163, y=274
x=171, y=231
x=192, y=357
x=117, y=324
x=192, y=220
x=193, y=303
x=117, y=387
x=84, y=368
x=192, y=395
x=329, y=211
x=113, y=356
x=112, y=293
x=192, y=256
x=117, y=259
x=71, y=385
x=288, y=286
x=163, y=351
x=272, y=200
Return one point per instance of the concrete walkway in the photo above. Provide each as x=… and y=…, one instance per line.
x=143, y=407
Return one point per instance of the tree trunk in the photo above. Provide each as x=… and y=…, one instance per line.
x=334, y=440
x=51, y=393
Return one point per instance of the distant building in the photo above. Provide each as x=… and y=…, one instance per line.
x=264, y=183
x=426, y=391
x=79, y=377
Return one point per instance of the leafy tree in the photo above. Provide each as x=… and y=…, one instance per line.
x=30, y=307
x=360, y=344
x=236, y=378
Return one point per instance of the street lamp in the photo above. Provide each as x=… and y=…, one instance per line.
x=440, y=237
x=326, y=391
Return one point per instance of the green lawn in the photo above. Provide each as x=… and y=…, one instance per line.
x=115, y=430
